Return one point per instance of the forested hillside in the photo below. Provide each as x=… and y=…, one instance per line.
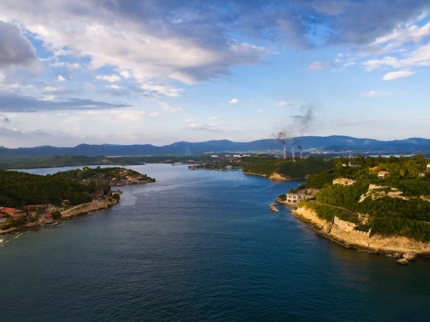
x=18, y=189
x=301, y=168
x=391, y=194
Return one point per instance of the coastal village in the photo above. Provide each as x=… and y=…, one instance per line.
x=104, y=195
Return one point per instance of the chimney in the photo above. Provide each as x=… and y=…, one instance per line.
x=285, y=152
x=292, y=152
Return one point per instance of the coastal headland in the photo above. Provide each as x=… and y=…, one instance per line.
x=343, y=233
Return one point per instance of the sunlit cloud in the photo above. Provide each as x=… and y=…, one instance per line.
x=233, y=101
x=397, y=75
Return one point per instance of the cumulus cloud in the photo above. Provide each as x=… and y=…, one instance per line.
x=233, y=101
x=109, y=78
x=375, y=94
x=282, y=103
x=15, y=49
x=213, y=118
x=397, y=75
x=24, y=104
x=60, y=78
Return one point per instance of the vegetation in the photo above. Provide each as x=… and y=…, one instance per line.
x=301, y=168
x=18, y=189
x=399, y=206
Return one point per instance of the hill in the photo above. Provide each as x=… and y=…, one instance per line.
x=315, y=144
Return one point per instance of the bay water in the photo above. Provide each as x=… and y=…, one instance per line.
x=200, y=246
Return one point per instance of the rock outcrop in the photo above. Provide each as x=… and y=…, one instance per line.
x=277, y=177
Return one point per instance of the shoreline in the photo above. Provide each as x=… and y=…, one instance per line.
x=75, y=211
x=342, y=233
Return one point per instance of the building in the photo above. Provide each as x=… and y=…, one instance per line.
x=383, y=174
x=46, y=217
x=295, y=198
x=344, y=181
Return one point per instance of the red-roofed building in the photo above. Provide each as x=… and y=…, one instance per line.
x=7, y=210
x=46, y=217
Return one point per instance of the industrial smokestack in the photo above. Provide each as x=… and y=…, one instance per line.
x=285, y=151
x=300, y=148
x=292, y=152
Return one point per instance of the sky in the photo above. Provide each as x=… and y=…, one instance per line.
x=162, y=71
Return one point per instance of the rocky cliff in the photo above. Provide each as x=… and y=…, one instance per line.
x=343, y=232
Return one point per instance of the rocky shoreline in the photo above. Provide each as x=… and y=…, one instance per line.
x=344, y=234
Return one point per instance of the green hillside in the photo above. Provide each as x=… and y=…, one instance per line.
x=396, y=204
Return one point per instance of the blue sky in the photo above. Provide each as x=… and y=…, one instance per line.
x=158, y=72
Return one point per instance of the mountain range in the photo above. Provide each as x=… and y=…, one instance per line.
x=309, y=144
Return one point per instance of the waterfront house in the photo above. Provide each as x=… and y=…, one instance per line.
x=295, y=198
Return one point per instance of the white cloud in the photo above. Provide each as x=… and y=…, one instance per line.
x=109, y=78
x=189, y=120
x=60, y=78
x=214, y=118
x=260, y=111
x=161, y=89
x=419, y=57
x=129, y=115
x=375, y=94
x=70, y=66
x=396, y=75
x=172, y=109
x=234, y=101
x=203, y=127
x=282, y=103
x=125, y=74
x=405, y=33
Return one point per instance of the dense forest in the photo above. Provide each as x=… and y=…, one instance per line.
x=301, y=168
x=18, y=189
x=397, y=204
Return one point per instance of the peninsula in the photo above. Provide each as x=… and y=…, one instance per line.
x=381, y=205
x=30, y=200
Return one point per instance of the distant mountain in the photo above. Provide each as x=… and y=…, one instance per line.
x=316, y=144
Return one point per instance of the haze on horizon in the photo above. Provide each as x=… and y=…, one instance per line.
x=158, y=72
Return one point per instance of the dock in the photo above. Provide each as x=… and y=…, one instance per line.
x=273, y=208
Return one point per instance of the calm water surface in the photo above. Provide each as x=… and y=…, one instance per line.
x=200, y=246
